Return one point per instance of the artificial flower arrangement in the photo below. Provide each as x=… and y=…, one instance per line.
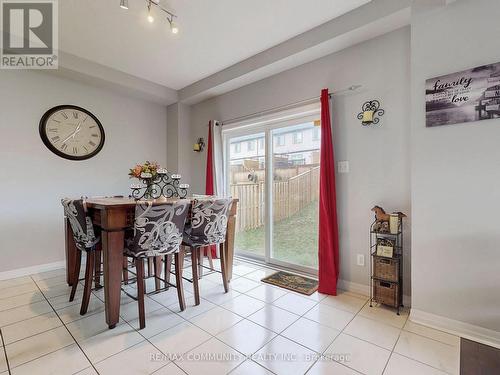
x=148, y=170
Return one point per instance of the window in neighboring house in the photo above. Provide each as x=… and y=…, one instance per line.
x=297, y=159
x=316, y=132
x=297, y=137
x=251, y=145
x=237, y=147
x=261, y=143
x=280, y=140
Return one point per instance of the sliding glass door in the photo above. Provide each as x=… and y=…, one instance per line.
x=273, y=169
x=295, y=194
x=247, y=175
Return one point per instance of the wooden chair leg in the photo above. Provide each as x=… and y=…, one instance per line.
x=201, y=255
x=157, y=265
x=179, y=261
x=194, y=267
x=210, y=260
x=223, y=268
x=139, y=266
x=87, y=288
x=168, y=269
x=150, y=267
x=97, y=269
x=125, y=270
x=76, y=274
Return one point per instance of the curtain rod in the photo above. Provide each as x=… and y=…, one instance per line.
x=291, y=105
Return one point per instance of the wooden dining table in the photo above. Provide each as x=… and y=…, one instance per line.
x=112, y=216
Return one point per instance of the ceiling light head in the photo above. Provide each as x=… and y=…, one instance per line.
x=151, y=19
x=174, y=28
x=124, y=4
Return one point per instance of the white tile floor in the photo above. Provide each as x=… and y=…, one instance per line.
x=255, y=329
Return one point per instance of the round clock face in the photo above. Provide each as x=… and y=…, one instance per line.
x=72, y=132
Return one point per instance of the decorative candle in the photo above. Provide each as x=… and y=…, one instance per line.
x=367, y=117
x=162, y=171
x=184, y=186
x=176, y=176
x=146, y=175
x=394, y=223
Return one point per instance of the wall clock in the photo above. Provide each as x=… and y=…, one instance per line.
x=71, y=132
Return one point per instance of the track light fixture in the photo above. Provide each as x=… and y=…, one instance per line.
x=174, y=28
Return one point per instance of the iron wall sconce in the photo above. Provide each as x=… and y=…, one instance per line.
x=370, y=112
x=199, y=146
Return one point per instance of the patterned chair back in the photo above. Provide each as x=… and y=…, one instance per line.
x=81, y=223
x=208, y=224
x=158, y=228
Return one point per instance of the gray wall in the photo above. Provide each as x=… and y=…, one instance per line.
x=455, y=172
x=33, y=180
x=180, y=141
x=378, y=155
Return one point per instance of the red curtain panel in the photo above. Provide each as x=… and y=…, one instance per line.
x=328, y=244
x=209, y=179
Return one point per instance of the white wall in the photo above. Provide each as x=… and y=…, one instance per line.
x=33, y=179
x=455, y=172
x=378, y=155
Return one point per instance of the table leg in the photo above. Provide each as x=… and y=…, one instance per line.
x=112, y=246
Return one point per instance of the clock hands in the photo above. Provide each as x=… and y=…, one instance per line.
x=72, y=135
x=78, y=128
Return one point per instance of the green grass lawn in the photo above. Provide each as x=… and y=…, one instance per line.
x=295, y=239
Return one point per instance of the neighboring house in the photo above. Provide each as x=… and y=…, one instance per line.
x=299, y=144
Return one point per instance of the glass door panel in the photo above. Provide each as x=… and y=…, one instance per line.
x=295, y=194
x=246, y=172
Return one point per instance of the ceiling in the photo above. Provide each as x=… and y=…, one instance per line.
x=214, y=34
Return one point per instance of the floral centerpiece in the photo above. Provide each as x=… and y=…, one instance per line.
x=146, y=172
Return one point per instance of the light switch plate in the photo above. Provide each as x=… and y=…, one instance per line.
x=343, y=166
x=361, y=260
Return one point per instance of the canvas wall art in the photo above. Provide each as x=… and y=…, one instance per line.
x=469, y=95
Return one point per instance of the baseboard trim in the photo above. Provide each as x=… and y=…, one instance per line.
x=19, y=272
x=351, y=286
x=365, y=290
x=469, y=331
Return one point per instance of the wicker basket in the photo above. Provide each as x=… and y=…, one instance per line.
x=386, y=293
x=386, y=268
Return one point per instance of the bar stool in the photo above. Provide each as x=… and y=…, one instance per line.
x=158, y=229
x=207, y=227
x=85, y=240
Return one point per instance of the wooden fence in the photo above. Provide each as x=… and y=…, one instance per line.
x=289, y=197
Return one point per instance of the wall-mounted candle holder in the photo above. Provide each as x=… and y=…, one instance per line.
x=370, y=112
x=199, y=146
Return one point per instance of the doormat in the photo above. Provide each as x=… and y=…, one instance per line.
x=299, y=284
